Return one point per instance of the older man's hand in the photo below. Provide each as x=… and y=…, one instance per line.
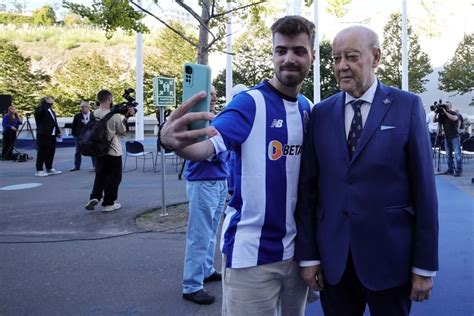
x=313, y=277
x=421, y=287
x=174, y=134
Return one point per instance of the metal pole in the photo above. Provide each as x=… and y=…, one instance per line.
x=228, y=72
x=404, y=47
x=162, y=150
x=316, y=65
x=139, y=130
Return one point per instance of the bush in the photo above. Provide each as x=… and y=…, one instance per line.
x=15, y=19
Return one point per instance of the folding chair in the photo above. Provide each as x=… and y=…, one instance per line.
x=468, y=149
x=135, y=149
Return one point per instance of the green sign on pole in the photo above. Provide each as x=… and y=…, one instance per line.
x=164, y=91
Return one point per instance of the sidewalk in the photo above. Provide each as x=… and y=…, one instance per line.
x=55, y=208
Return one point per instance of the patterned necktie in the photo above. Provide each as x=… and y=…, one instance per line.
x=356, y=127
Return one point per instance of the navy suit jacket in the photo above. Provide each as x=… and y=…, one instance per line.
x=381, y=205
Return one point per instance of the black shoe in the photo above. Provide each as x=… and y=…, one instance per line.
x=216, y=276
x=457, y=174
x=200, y=297
x=74, y=169
x=448, y=172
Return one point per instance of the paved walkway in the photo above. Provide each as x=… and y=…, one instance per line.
x=58, y=259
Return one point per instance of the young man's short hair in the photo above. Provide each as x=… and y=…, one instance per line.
x=293, y=25
x=103, y=96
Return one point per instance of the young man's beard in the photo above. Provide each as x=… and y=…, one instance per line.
x=292, y=80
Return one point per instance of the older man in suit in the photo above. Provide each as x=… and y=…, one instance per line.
x=78, y=123
x=367, y=224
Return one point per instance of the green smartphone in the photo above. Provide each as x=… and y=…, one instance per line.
x=197, y=78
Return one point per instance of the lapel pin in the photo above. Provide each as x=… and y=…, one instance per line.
x=386, y=101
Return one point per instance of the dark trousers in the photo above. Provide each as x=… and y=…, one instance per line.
x=349, y=297
x=78, y=156
x=46, y=145
x=9, y=137
x=108, y=175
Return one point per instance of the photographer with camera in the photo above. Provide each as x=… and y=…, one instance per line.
x=47, y=130
x=449, y=119
x=11, y=121
x=108, y=172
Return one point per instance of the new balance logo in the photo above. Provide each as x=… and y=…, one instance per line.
x=277, y=123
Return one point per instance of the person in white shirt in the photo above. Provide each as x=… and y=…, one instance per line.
x=432, y=125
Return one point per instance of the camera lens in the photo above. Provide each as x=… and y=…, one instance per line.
x=188, y=70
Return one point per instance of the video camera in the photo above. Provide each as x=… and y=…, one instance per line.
x=123, y=107
x=440, y=106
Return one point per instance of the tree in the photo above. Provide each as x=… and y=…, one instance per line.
x=114, y=14
x=81, y=78
x=327, y=77
x=335, y=7
x=44, y=16
x=458, y=73
x=252, y=62
x=390, y=70
x=72, y=19
x=110, y=15
x=17, y=79
x=174, y=52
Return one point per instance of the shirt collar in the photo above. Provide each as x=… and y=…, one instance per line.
x=368, y=96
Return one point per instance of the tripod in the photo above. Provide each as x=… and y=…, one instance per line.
x=28, y=129
x=438, y=141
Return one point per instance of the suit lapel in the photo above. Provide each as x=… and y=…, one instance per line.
x=340, y=127
x=378, y=109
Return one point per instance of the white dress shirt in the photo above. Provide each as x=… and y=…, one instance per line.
x=54, y=119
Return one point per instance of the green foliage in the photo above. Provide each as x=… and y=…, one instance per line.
x=57, y=36
x=390, y=70
x=119, y=14
x=253, y=58
x=326, y=72
x=44, y=16
x=337, y=7
x=174, y=52
x=81, y=79
x=110, y=15
x=17, y=79
x=72, y=19
x=458, y=73
x=15, y=19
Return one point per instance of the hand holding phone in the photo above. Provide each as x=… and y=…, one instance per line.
x=197, y=78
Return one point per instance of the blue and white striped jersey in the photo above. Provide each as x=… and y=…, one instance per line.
x=265, y=129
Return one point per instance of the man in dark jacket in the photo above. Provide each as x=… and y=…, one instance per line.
x=47, y=130
x=79, y=121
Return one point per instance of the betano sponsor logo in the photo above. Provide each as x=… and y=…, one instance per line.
x=276, y=150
